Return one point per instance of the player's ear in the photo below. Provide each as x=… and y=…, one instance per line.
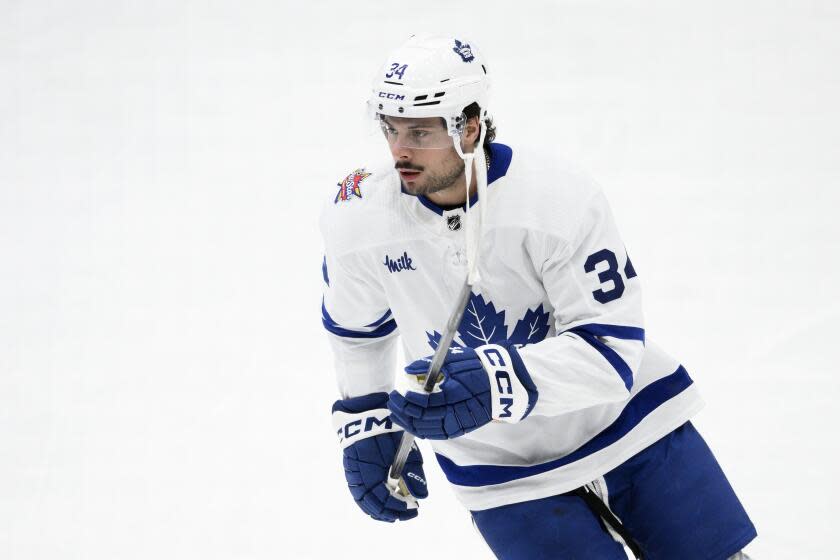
x=471, y=131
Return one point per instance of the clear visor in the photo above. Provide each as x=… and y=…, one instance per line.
x=429, y=133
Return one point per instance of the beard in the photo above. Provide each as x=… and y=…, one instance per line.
x=436, y=182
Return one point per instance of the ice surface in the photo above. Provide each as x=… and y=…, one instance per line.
x=164, y=380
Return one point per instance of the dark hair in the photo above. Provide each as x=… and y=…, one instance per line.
x=473, y=110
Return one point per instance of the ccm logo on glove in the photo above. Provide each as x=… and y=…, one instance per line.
x=417, y=478
x=353, y=427
x=508, y=396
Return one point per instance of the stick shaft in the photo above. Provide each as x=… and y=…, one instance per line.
x=434, y=372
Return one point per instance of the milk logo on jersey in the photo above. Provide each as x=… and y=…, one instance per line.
x=464, y=51
x=403, y=262
x=351, y=185
x=482, y=324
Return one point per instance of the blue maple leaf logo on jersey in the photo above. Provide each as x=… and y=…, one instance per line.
x=482, y=324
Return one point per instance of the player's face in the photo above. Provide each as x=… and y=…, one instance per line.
x=423, y=154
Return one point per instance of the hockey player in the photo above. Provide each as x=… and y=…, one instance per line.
x=562, y=427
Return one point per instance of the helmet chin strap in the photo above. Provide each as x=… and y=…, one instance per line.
x=473, y=228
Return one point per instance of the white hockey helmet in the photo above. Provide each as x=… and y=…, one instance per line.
x=432, y=76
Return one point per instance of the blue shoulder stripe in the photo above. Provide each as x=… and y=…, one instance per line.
x=382, y=328
x=646, y=401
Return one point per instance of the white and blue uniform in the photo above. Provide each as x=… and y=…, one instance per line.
x=555, y=276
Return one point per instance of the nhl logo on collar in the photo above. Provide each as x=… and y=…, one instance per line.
x=464, y=51
x=454, y=222
x=351, y=185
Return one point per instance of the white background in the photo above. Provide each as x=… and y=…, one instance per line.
x=165, y=383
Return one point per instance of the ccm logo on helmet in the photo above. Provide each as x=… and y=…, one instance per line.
x=359, y=426
x=394, y=96
x=503, y=383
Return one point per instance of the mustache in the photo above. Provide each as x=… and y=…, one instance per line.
x=406, y=165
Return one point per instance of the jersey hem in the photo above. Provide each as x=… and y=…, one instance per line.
x=666, y=418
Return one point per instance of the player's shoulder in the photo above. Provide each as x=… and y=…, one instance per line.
x=554, y=193
x=361, y=188
x=358, y=204
x=542, y=170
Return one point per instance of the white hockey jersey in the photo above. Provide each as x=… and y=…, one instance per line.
x=555, y=276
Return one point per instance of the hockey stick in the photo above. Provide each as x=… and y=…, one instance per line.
x=473, y=240
x=431, y=379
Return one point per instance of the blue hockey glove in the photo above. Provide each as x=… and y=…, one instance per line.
x=370, y=440
x=479, y=385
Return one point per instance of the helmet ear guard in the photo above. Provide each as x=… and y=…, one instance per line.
x=482, y=131
x=456, y=124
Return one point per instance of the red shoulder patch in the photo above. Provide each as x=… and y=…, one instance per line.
x=351, y=185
